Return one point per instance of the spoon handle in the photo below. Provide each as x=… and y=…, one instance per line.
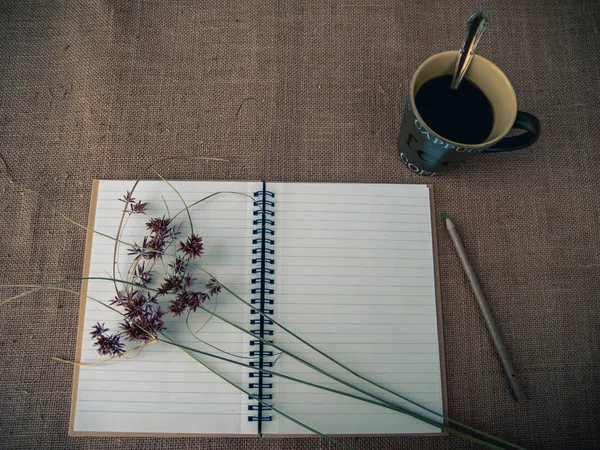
x=475, y=28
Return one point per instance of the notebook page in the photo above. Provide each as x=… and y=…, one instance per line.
x=161, y=389
x=354, y=276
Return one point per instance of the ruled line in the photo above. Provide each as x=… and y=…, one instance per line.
x=338, y=276
x=340, y=244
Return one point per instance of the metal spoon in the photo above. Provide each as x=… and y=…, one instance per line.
x=475, y=28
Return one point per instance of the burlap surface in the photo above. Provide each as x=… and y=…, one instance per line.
x=309, y=91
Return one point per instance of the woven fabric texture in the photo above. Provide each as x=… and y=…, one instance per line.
x=308, y=91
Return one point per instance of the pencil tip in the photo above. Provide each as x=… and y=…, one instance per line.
x=446, y=216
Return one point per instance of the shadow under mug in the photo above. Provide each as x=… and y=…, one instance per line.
x=427, y=153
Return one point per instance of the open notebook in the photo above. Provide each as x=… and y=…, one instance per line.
x=349, y=267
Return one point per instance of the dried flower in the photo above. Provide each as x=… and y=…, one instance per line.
x=98, y=330
x=108, y=344
x=127, y=198
x=214, y=287
x=155, y=247
x=159, y=226
x=192, y=247
x=142, y=315
x=163, y=289
x=141, y=311
x=134, y=208
x=137, y=303
x=152, y=248
x=171, y=284
x=179, y=266
x=188, y=280
x=186, y=300
x=142, y=276
x=177, y=307
x=122, y=297
x=145, y=325
x=137, y=208
x=137, y=251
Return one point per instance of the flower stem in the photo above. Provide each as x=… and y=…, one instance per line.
x=65, y=281
x=382, y=404
x=268, y=317
x=151, y=167
x=254, y=397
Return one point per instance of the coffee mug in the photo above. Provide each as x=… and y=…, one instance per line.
x=426, y=152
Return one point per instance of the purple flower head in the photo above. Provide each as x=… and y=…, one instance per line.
x=214, y=287
x=108, y=344
x=137, y=208
x=159, y=226
x=192, y=247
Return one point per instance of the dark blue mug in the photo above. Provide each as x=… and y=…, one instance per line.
x=427, y=153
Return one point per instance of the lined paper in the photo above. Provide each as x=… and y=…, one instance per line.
x=355, y=277
x=161, y=389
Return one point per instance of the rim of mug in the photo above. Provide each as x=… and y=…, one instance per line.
x=482, y=145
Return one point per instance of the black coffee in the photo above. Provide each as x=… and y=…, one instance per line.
x=462, y=115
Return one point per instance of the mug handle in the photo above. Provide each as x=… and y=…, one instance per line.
x=524, y=121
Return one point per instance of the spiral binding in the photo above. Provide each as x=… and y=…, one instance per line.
x=264, y=277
